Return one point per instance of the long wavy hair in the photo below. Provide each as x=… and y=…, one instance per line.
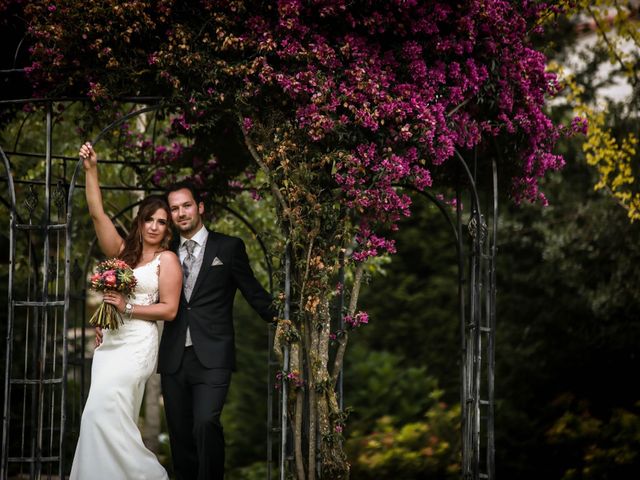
x=132, y=251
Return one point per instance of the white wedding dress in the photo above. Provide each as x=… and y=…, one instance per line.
x=110, y=444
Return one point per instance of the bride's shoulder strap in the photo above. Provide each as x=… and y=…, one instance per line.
x=157, y=261
x=165, y=254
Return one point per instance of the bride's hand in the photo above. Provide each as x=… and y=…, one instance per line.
x=116, y=299
x=88, y=156
x=98, y=336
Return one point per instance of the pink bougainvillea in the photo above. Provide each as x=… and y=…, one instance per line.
x=389, y=90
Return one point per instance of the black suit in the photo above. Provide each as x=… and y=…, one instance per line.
x=195, y=379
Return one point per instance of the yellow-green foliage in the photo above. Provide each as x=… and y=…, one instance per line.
x=606, y=446
x=615, y=23
x=613, y=160
x=612, y=157
x=411, y=451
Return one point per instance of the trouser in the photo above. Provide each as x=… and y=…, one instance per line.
x=193, y=401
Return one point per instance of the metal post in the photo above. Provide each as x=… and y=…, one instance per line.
x=471, y=333
x=466, y=464
x=341, y=327
x=41, y=350
x=285, y=366
x=10, y=319
x=269, y=403
x=492, y=331
x=65, y=320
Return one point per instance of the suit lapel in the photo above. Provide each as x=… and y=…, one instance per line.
x=210, y=251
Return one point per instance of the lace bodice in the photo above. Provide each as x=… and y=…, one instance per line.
x=146, y=292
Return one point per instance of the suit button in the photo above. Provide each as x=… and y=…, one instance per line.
x=188, y=308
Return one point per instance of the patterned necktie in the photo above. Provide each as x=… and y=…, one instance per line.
x=187, y=263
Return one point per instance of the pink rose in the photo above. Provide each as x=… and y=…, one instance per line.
x=110, y=280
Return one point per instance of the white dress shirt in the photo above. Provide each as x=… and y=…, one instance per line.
x=201, y=240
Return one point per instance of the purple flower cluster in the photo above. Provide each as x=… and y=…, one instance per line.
x=443, y=79
x=388, y=90
x=370, y=244
x=293, y=378
x=579, y=125
x=354, y=321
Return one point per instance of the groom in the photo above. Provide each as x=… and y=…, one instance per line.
x=197, y=351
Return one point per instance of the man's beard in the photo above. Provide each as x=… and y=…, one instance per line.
x=189, y=227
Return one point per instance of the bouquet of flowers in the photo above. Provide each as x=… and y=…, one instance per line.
x=112, y=274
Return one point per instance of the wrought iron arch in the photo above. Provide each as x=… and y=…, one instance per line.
x=35, y=460
x=477, y=380
x=41, y=374
x=477, y=321
x=44, y=374
x=12, y=219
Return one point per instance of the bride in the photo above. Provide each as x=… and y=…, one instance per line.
x=110, y=445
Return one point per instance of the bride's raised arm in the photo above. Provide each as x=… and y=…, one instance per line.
x=111, y=243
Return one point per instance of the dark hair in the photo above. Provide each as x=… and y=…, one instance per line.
x=184, y=184
x=133, y=243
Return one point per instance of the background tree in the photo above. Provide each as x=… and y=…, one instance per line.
x=612, y=137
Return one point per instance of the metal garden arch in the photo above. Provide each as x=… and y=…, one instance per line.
x=36, y=436
x=24, y=446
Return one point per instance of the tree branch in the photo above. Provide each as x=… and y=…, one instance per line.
x=298, y=423
x=258, y=159
x=353, y=303
x=306, y=273
x=311, y=383
x=612, y=49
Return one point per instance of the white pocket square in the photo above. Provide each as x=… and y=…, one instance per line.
x=216, y=262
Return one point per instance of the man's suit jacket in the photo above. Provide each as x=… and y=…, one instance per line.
x=208, y=312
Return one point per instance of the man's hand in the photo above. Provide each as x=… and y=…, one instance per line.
x=98, y=336
x=285, y=335
x=280, y=328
